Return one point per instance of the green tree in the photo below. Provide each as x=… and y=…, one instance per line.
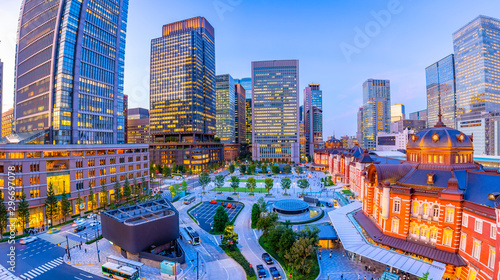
x=144, y=185
x=175, y=168
x=135, y=187
x=152, y=168
x=126, y=189
x=230, y=237
x=65, y=205
x=235, y=183
x=104, y=196
x=23, y=211
x=219, y=181
x=269, y=183
x=243, y=169
x=204, y=180
x=286, y=183
x=51, y=203
x=78, y=200
x=255, y=214
x=4, y=218
x=287, y=169
x=173, y=191
x=158, y=169
x=286, y=241
x=267, y=222
x=251, y=184
x=184, y=186
x=231, y=168
x=299, y=169
x=309, y=232
x=303, y=184
x=273, y=237
x=118, y=191
x=275, y=169
x=262, y=205
x=264, y=169
x=167, y=171
x=91, y=199
x=425, y=276
x=221, y=219
x=300, y=254
x=252, y=168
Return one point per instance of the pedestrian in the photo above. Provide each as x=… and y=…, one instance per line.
x=366, y=268
x=85, y=250
x=330, y=254
x=342, y=276
x=365, y=278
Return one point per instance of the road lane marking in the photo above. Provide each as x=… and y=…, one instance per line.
x=88, y=276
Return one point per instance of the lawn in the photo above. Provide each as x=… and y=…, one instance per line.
x=312, y=275
x=346, y=192
x=228, y=189
x=245, y=180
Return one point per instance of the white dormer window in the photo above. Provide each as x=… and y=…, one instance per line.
x=478, y=226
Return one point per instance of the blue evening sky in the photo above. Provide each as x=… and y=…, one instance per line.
x=399, y=48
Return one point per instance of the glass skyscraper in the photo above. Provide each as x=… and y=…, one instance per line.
x=376, y=110
x=440, y=81
x=182, y=96
x=69, y=70
x=313, y=116
x=477, y=66
x=275, y=98
x=240, y=114
x=225, y=112
x=246, y=83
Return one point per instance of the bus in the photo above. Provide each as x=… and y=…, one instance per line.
x=117, y=271
x=193, y=235
x=189, y=200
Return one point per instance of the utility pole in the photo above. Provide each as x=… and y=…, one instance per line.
x=97, y=246
x=67, y=248
x=197, y=264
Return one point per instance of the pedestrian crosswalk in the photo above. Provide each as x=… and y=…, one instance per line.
x=42, y=269
x=6, y=274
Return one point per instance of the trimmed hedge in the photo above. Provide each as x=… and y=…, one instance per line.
x=17, y=237
x=236, y=254
x=94, y=240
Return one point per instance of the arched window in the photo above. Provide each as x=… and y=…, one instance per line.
x=426, y=209
x=435, y=211
x=416, y=208
x=434, y=234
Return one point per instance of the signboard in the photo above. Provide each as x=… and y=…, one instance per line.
x=81, y=206
x=168, y=267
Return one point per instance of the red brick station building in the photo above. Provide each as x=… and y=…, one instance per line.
x=436, y=206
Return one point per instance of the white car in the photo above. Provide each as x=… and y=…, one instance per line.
x=78, y=223
x=27, y=240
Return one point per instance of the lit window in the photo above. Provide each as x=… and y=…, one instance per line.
x=395, y=225
x=472, y=274
x=463, y=240
x=476, y=249
x=478, y=226
x=415, y=208
x=447, y=237
x=426, y=209
x=491, y=259
x=450, y=212
x=465, y=220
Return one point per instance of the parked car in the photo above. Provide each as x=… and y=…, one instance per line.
x=274, y=273
x=261, y=271
x=328, y=204
x=54, y=230
x=229, y=198
x=78, y=229
x=28, y=239
x=267, y=259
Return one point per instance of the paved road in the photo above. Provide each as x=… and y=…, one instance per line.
x=41, y=260
x=248, y=239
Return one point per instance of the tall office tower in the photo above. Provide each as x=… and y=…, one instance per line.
x=477, y=66
x=359, y=132
x=240, y=114
x=302, y=141
x=376, y=110
x=301, y=113
x=248, y=120
x=1, y=90
x=246, y=83
x=7, y=122
x=397, y=112
x=182, y=96
x=137, y=126
x=69, y=71
x=275, y=97
x=440, y=81
x=125, y=115
x=313, y=116
x=419, y=115
x=225, y=104
x=138, y=113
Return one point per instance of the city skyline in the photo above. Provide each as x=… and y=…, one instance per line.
x=407, y=73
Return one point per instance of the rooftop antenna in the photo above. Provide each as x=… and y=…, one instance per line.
x=440, y=121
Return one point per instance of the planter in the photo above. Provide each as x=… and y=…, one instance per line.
x=251, y=194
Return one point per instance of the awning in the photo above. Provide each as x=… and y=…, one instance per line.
x=354, y=242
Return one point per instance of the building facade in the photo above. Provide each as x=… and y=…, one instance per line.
x=393, y=141
x=313, y=116
x=80, y=47
x=138, y=131
x=419, y=115
x=226, y=106
x=397, y=112
x=1, y=93
x=415, y=125
x=440, y=84
x=7, y=122
x=246, y=83
x=477, y=65
x=248, y=120
x=485, y=130
x=240, y=114
x=376, y=110
x=275, y=104
x=75, y=170
x=359, y=132
x=183, y=110
x=138, y=113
